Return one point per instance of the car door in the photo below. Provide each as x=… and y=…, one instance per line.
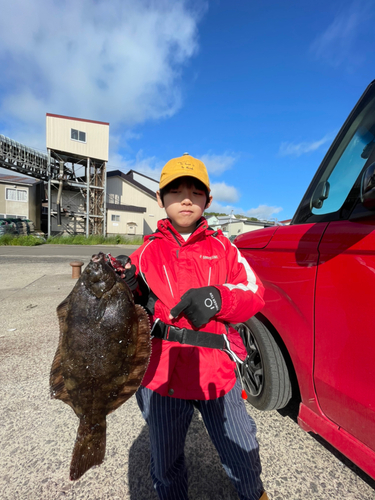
x=344, y=372
x=344, y=327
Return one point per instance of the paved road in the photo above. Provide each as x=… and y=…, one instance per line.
x=63, y=253
x=37, y=434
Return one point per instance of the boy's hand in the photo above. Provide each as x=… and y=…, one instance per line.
x=128, y=272
x=199, y=305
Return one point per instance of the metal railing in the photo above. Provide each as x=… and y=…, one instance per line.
x=24, y=160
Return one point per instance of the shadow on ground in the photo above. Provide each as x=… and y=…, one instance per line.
x=291, y=411
x=207, y=478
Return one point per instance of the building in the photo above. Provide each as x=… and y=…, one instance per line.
x=77, y=137
x=227, y=219
x=21, y=198
x=76, y=193
x=212, y=221
x=243, y=226
x=131, y=204
x=233, y=226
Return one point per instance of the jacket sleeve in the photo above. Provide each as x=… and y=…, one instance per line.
x=141, y=293
x=242, y=295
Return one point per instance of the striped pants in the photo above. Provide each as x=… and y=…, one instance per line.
x=231, y=430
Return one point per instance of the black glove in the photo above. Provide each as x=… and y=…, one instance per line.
x=128, y=275
x=199, y=305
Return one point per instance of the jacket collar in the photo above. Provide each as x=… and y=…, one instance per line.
x=166, y=230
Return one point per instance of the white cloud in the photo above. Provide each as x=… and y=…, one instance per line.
x=293, y=149
x=217, y=164
x=117, y=61
x=263, y=212
x=338, y=44
x=221, y=192
x=222, y=209
x=149, y=166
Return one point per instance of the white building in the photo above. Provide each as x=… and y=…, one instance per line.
x=131, y=203
x=78, y=137
x=243, y=226
x=79, y=150
x=232, y=226
x=21, y=198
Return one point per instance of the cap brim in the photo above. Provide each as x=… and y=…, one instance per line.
x=171, y=178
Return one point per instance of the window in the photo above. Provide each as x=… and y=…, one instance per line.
x=115, y=218
x=342, y=177
x=354, y=151
x=77, y=135
x=16, y=194
x=21, y=195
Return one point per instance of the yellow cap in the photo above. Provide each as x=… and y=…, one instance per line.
x=183, y=166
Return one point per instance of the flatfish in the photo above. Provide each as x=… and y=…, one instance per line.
x=103, y=352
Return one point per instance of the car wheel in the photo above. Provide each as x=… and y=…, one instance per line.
x=265, y=375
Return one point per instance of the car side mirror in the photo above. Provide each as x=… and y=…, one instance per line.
x=368, y=188
x=321, y=193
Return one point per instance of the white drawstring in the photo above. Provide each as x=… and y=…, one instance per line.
x=170, y=288
x=230, y=352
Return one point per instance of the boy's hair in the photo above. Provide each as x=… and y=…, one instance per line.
x=189, y=181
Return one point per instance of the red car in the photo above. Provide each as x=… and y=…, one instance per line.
x=316, y=333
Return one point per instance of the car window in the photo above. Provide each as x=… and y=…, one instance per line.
x=356, y=148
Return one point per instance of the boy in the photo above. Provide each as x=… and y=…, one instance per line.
x=196, y=283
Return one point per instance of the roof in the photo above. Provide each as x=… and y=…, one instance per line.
x=17, y=179
x=130, y=178
x=126, y=208
x=78, y=119
x=249, y=223
x=231, y=217
x=132, y=172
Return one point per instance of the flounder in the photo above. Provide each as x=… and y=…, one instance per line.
x=103, y=352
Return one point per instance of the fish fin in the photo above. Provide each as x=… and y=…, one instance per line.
x=140, y=360
x=62, y=308
x=56, y=381
x=89, y=448
x=62, y=312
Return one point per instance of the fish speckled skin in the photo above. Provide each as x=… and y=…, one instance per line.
x=103, y=353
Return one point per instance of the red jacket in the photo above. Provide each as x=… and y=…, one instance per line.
x=170, y=266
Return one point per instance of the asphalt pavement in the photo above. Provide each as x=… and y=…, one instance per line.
x=37, y=434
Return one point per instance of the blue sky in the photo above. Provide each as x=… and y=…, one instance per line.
x=257, y=90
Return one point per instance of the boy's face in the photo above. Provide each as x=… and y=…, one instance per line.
x=184, y=206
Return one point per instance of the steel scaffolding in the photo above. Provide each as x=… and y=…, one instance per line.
x=77, y=195
x=76, y=186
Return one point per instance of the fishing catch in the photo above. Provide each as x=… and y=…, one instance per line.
x=103, y=352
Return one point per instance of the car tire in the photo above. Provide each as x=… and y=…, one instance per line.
x=265, y=374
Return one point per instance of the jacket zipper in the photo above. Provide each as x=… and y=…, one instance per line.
x=174, y=236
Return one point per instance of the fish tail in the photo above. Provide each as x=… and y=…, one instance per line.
x=89, y=448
